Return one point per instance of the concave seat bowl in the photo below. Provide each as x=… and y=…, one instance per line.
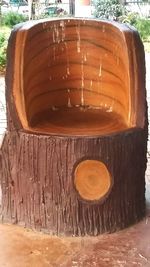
x=78, y=121
x=74, y=78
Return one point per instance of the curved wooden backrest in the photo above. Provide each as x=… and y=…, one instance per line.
x=75, y=62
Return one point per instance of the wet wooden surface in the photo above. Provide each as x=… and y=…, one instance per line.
x=82, y=61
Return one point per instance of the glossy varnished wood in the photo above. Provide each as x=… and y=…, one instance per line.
x=75, y=62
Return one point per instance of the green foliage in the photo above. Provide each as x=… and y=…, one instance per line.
x=12, y=18
x=143, y=27
x=129, y=18
x=141, y=24
x=108, y=9
x=3, y=48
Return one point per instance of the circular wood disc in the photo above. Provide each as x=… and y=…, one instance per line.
x=92, y=179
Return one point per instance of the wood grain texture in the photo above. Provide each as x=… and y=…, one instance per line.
x=77, y=121
x=92, y=179
x=75, y=92
x=76, y=63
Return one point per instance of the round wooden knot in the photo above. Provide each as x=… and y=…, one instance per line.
x=92, y=179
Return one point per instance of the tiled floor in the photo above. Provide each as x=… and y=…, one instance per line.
x=24, y=248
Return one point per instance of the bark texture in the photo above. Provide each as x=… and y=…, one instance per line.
x=38, y=182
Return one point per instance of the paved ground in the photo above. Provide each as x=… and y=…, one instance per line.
x=20, y=247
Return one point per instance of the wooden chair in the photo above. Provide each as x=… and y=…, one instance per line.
x=74, y=154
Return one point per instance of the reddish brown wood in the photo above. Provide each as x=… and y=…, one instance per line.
x=92, y=180
x=75, y=93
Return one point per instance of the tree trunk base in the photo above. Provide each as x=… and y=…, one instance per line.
x=42, y=188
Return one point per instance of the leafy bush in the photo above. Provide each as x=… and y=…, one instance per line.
x=129, y=18
x=143, y=27
x=3, y=45
x=108, y=9
x=141, y=24
x=12, y=18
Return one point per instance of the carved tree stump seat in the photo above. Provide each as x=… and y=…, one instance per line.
x=74, y=154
